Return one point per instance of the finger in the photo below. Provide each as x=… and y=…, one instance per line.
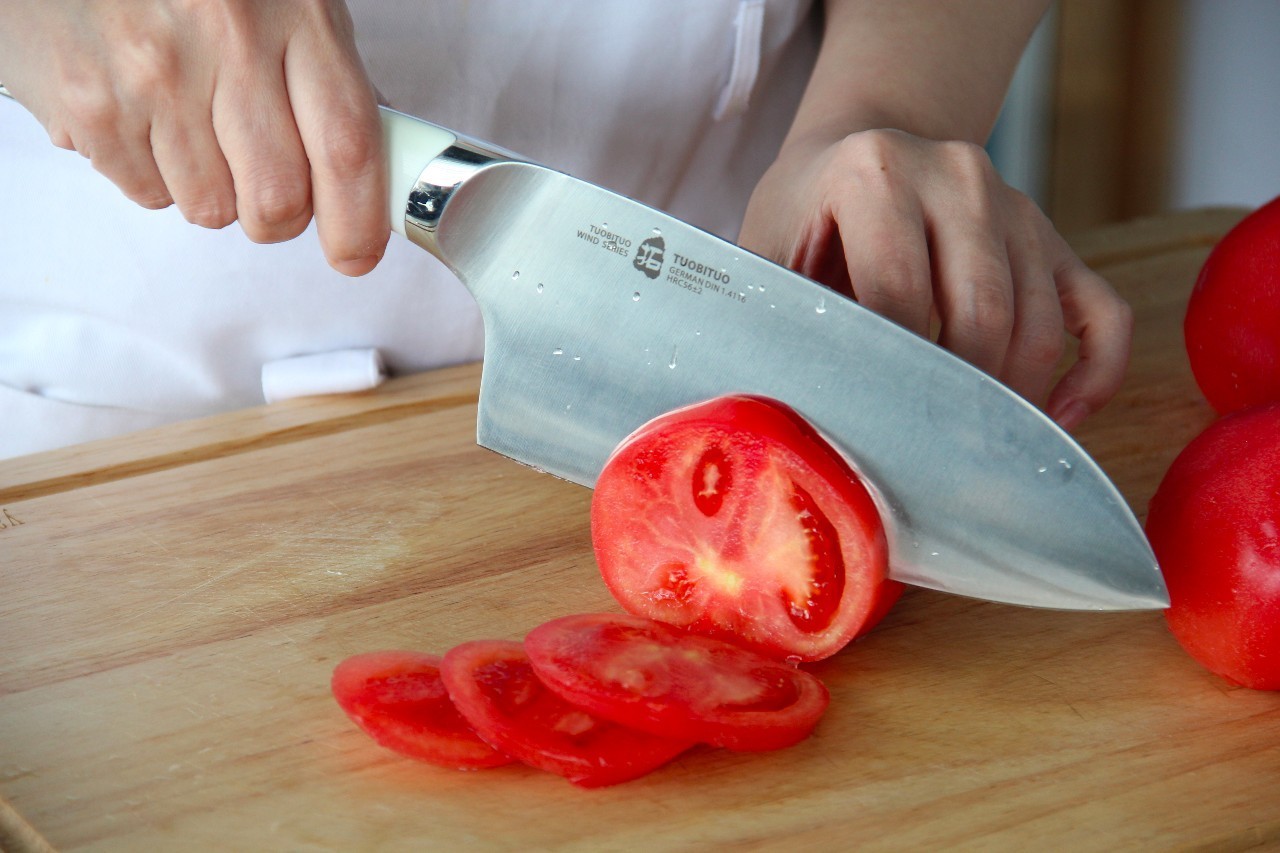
x=254, y=127
x=973, y=286
x=117, y=142
x=1036, y=342
x=1103, y=322
x=887, y=258
x=194, y=168
x=341, y=131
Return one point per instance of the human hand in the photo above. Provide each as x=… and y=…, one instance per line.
x=923, y=231
x=260, y=112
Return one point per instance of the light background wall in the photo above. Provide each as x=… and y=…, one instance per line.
x=1223, y=94
x=1227, y=134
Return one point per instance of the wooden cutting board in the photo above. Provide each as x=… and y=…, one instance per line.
x=172, y=604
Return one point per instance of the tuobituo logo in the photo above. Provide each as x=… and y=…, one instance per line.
x=649, y=256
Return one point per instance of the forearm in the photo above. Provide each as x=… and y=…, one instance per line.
x=938, y=69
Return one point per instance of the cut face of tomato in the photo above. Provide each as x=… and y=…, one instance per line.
x=1214, y=525
x=398, y=699
x=734, y=518
x=495, y=688
x=654, y=677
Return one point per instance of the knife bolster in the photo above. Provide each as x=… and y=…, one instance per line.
x=436, y=185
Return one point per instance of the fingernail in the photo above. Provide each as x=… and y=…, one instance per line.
x=1070, y=415
x=357, y=266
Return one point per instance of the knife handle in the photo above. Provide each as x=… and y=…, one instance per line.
x=409, y=144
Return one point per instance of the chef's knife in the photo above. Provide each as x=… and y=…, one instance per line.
x=601, y=313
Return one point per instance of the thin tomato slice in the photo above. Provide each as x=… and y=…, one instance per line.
x=495, y=688
x=735, y=518
x=657, y=678
x=399, y=699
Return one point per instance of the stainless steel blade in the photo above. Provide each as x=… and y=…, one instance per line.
x=601, y=313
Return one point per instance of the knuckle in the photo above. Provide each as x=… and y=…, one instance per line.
x=92, y=109
x=984, y=309
x=1041, y=345
x=348, y=147
x=60, y=135
x=969, y=160
x=899, y=279
x=1121, y=316
x=154, y=65
x=272, y=203
x=210, y=210
x=151, y=196
x=873, y=156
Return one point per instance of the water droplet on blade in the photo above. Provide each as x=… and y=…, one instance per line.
x=635, y=297
x=515, y=275
x=539, y=287
x=822, y=305
x=557, y=351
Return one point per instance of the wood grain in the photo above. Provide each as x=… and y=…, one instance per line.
x=173, y=603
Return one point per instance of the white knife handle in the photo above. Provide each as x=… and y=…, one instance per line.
x=410, y=144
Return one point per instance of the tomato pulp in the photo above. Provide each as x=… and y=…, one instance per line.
x=496, y=690
x=1214, y=524
x=657, y=678
x=1232, y=324
x=399, y=699
x=734, y=518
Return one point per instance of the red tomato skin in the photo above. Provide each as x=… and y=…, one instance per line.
x=495, y=688
x=399, y=700
x=631, y=493
x=1232, y=324
x=1214, y=524
x=657, y=678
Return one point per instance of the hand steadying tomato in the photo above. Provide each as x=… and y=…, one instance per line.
x=398, y=698
x=1214, y=524
x=494, y=687
x=651, y=676
x=734, y=518
x=1232, y=325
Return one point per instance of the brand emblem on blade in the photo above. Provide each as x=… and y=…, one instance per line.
x=649, y=257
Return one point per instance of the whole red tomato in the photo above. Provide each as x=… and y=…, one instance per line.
x=1214, y=524
x=1232, y=325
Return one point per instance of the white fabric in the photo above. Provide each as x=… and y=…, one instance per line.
x=114, y=318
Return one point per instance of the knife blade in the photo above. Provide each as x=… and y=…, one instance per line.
x=601, y=313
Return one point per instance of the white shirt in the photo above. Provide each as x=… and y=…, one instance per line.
x=114, y=318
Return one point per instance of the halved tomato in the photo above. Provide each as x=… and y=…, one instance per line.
x=734, y=518
x=654, y=677
x=495, y=688
x=398, y=698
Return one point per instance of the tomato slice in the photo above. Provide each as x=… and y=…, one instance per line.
x=399, y=699
x=495, y=688
x=657, y=678
x=735, y=518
